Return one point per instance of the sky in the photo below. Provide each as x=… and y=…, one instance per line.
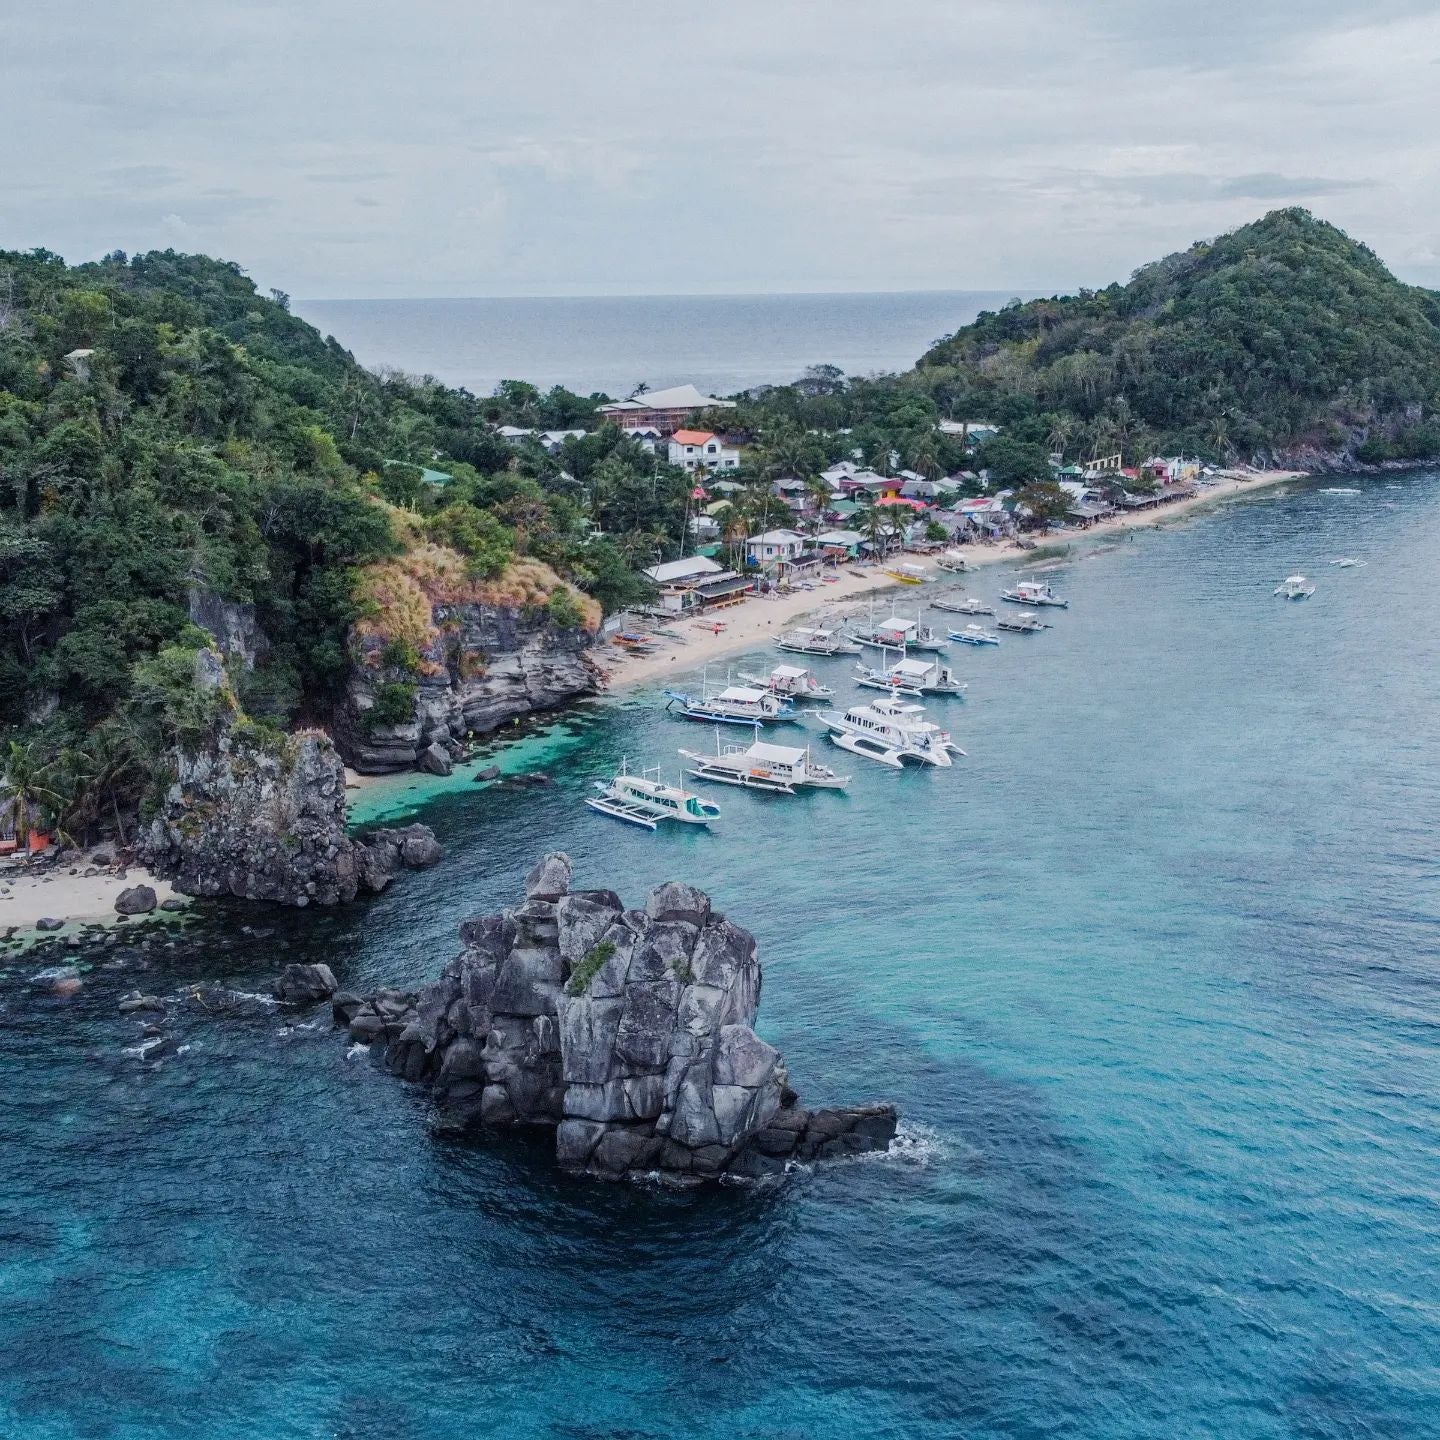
x=581, y=147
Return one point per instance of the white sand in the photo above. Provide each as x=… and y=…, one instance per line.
x=764, y=616
x=62, y=896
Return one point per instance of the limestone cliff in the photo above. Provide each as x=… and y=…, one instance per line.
x=630, y=1032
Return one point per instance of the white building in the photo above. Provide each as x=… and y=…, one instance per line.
x=691, y=449
x=774, y=545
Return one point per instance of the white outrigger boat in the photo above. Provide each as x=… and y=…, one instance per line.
x=1033, y=592
x=953, y=563
x=1295, y=587
x=891, y=732
x=898, y=634
x=646, y=800
x=778, y=769
x=975, y=635
x=1027, y=622
x=909, y=676
x=734, y=705
x=793, y=681
x=812, y=640
x=968, y=606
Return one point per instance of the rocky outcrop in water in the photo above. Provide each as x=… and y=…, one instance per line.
x=629, y=1032
x=486, y=666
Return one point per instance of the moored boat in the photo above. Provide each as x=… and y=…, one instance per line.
x=792, y=681
x=645, y=800
x=953, y=563
x=1294, y=587
x=734, y=705
x=1027, y=622
x=816, y=640
x=890, y=731
x=1033, y=592
x=975, y=635
x=909, y=676
x=778, y=769
x=907, y=574
x=898, y=634
x=968, y=606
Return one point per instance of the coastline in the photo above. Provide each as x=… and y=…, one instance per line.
x=762, y=617
x=56, y=894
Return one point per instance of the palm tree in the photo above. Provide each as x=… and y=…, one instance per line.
x=818, y=492
x=873, y=521
x=1062, y=427
x=35, y=787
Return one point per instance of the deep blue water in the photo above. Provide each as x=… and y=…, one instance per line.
x=723, y=343
x=1152, y=974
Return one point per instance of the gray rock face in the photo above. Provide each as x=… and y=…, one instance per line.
x=233, y=627
x=487, y=665
x=137, y=900
x=306, y=984
x=630, y=1032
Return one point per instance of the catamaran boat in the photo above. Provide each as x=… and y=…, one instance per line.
x=968, y=606
x=809, y=640
x=646, y=800
x=734, y=705
x=779, y=769
x=898, y=634
x=1033, y=592
x=953, y=562
x=890, y=731
x=792, y=681
x=1027, y=622
x=908, y=574
x=1295, y=587
x=975, y=635
x=909, y=676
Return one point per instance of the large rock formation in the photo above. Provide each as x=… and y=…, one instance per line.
x=486, y=665
x=630, y=1032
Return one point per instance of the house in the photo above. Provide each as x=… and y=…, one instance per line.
x=865, y=483
x=794, y=492
x=932, y=492
x=552, y=440
x=971, y=432
x=665, y=410
x=704, y=528
x=692, y=449
x=679, y=572
x=840, y=544
x=773, y=545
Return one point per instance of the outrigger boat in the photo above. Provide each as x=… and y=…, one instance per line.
x=1027, y=622
x=953, y=563
x=646, y=800
x=908, y=574
x=778, y=769
x=792, y=681
x=968, y=606
x=810, y=640
x=734, y=705
x=1295, y=587
x=975, y=635
x=1033, y=592
x=891, y=732
x=910, y=677
x=632, y=640
x=898, y=634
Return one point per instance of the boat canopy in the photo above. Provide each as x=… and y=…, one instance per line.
x=775, y=754
x=743, y=693
x=895, y=623
x=789, y=672
x=911, y=667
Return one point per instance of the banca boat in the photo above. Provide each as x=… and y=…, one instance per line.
x=953, y=563
x=968, y=606
x=907, y=574
x=779, y=769
x=812, y=640
x=1295, y=587
x=909, y=676
x=898, y=634
x=734, y=705
x=646, y=800
x=793, y=681
x=1027, y=622
x=1034, y=592
x=890, y=731
x=975, y=635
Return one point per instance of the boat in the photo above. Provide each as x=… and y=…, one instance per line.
x=968, y=606
x=975, y=635
x=734, y=705
x=778, y=769
x=906, y=574
x=890, y=731
x=909, y=676
x=646, y=800
x=1294, y=587
x=953, y=563
x=813, y=640
x=1027, y=622
x=793, y=681
x=898, y=634
x=633, y=640
x=1033, y=592
x=1349, y=563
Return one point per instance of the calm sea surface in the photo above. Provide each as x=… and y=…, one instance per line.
x=1154, y=976
x=723, y=343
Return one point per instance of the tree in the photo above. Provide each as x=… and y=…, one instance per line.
x=1013, y=462
x=1045, y=500
x=33, y=783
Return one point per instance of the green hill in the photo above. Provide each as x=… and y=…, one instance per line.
x=1283, y=333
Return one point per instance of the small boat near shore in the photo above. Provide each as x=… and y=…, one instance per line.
x=1027, y=622
x=1294, y=587
x=898, y=634
x=968, y=606
x=792, y=681
x=814, y=640
x=953, y=563
x=645, y=800
x=778, y=769
x=909, y=676
x=907, y=574
x=1034, y=592
x=890, y=732
x=975, y=635
x=734, y=705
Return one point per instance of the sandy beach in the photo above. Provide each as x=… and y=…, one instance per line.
x=59, y=895
x=762, y=617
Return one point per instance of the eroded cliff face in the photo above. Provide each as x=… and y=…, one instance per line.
x=629, y=1032
x=485, y=666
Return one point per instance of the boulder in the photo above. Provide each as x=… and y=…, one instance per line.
x=549, y=879
x=305, y=984
x=49, y=922
x=135, y=1001
x=174, y=904
x=488, y=772
x=137, y=900
x=434, y=759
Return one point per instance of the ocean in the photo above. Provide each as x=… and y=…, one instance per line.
x=723, y=343
x=1153, y=974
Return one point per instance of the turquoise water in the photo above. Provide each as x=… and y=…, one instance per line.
x=1152, y=974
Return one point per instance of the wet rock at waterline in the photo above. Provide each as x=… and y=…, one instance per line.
x=629, y=1032
x=137, y=900
x=306, y=984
